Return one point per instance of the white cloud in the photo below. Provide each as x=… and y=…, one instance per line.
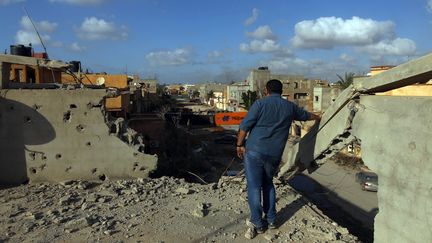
x=25, y=37
x=253, y=18
x=42, y=26
x=314, y=68
x=215, y=54
x=79, y=2
x=328, y=32
x=98, y=29
x=28, y=35
x=77, y=47
x=7, y=2
x=396, y=47
x=344, y=57
x=289, y=65
x=169, y=58
x=262, y=33
x=260, y=46
x=56, y=44
x=266, y=46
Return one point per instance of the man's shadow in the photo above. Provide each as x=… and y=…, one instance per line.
x=22, y=125
x=284, y=214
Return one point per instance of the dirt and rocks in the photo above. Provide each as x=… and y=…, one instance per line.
x=154, y=210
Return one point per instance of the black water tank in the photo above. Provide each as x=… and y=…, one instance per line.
x=21, y=50
x=76, y=66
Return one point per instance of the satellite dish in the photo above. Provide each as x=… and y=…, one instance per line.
x=100, y=80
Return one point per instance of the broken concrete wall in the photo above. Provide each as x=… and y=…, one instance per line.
x=323, y=140
x=56, y=135
x=395, y=135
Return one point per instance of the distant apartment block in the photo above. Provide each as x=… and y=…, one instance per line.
x=324, y=96
x=296, y=88
x=235, y=92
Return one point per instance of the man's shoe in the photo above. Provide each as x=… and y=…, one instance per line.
x=250, y=233
x=271, y=226
x=252, y=230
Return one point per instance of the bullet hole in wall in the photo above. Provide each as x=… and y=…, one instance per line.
x=42, y=167
x=102, y=177
x=73, y=106
x=32, y=155
x=67, y=116
x=36, y=106
x=44, y=157
x=91, y=105
x=88, y=144
x=32, y=170
x=94, y=170
x=27, y=120
x=58, y=156
x=80, y=128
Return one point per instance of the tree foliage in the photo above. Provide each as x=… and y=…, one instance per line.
x=347, y=80
x=210, y=95
x=249, y=98
x=195, y=94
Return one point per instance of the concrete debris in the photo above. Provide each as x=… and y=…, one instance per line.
x=155, y=211
x=184, y=191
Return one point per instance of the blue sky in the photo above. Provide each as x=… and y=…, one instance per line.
x=198, y=41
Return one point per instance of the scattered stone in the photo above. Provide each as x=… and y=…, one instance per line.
x=67, y=183
x=92, y=197
x=133, y=206
x=270, y=237
x=343, y=231
x=184, y=191
x=78, y=224
x=65, y=200
x=200, y=213
x=32, y=216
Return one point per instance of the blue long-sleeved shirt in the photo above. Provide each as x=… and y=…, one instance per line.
x=268, y=123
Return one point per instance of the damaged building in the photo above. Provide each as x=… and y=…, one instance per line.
x=55, y=132
x=389, y=114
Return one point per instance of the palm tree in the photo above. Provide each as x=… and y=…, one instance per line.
x=249, y=98
x=347, y=81
x=210, y=95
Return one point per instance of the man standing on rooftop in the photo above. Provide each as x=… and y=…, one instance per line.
x=268, y=123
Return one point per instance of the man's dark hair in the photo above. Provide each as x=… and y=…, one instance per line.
x=274, y=86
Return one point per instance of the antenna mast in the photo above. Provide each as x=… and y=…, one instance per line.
x=37, y=32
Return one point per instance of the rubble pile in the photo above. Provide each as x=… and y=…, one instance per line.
x=153, y=210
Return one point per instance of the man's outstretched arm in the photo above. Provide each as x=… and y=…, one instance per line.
x=313, y=116
x=240, y=143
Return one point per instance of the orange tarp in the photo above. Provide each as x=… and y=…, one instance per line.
x=229, y=118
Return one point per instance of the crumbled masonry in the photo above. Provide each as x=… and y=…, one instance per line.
x=153, y=210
